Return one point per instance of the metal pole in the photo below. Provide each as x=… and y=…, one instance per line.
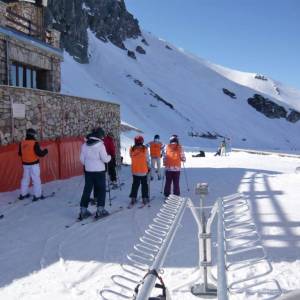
x=222, y=280
x=204, y=289
x=149, y=282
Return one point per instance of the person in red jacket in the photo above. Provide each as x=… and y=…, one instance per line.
x=111, y=150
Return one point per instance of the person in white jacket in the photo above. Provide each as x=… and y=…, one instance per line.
x=94, y=156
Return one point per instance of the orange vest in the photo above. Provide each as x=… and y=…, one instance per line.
x=139, y=160
x=155, y=149
x=28, y=154
x=173, y=156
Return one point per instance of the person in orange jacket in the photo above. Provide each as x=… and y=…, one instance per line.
x=172, y=157
x=30, y=152
x=140, y=169
x=155, y=153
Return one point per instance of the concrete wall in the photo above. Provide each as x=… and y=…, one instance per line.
x=54, y=115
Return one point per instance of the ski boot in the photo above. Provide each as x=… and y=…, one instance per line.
x=114, y=185
x=145, y=201
x=34, y=199
x=132, y=202
x=101, y=212
x=84, y=213
x=21, y=197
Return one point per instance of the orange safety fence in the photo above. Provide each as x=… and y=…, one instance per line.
x=69, y=152
x=61, y=162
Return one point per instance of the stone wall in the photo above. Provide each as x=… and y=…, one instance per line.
x=54, y=115
x=2, y=13
x=25, y=53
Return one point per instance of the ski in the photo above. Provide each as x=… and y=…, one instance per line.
x=147, y=204
x=92, y=218
x=41, y=198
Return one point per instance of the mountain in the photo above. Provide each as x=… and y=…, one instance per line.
x=166, y=90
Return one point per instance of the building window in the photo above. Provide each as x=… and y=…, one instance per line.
x=23, y=76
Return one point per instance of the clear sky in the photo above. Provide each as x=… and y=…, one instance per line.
x=261, y=36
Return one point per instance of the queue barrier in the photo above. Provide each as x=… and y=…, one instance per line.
x=61, y=162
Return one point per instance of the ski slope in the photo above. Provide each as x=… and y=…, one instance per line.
x=41, y=259
x=145, y=88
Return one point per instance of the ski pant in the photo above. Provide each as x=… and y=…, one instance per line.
x=33, y=172
x=137, y=180
x=172, y=177
x=96, y=181
x=111, y=168
x=155, y=161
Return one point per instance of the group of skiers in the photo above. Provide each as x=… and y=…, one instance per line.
x=98, y=155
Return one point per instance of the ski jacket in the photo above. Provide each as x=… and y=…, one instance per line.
x=110, y=146
x=139, y=160
x=155, y=149
x=93, y=155
x=30, y=151
x=173, y=156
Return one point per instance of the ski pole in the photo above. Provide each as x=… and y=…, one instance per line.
x=118, y=178
x=162, y=182
x=108, y=190
x=185, y=175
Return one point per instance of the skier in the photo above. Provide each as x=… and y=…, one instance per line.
x=30, y=151
x=140, y=169
x=111, y=166
x=172, y=157
x=94, y=156
x=223, y=148
x=155, y=153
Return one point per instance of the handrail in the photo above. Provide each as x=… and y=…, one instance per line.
x=222, y=279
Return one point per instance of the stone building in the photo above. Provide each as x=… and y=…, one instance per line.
x=30, y=81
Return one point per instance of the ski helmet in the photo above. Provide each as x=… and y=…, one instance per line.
x=156, y=137
x=31, y=132
x=138, y=140
x=174, y=139
x=99, y=133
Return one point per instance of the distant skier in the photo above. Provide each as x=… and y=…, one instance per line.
x=94, y=156
x=111, y=166
x=223, y=148
x=156, y=148
x=139, y=168
x=30, y=152
x=172, y=157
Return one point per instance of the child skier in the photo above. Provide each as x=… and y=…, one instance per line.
x=155, y=154
x=139, y=168
x=172, y=157
x=94, y=156
x=30, y=151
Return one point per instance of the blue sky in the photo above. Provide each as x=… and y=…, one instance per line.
x=260, y=36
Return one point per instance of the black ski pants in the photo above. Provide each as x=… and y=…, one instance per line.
x=137, y=180
x=111, y=168
x=96, y=181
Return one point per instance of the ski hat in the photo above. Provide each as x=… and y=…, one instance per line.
x=156, y=137
x=138, y=140
x=174, y=139
x=31, y=132
x=98, y=133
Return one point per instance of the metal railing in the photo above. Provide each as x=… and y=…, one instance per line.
x=148, y=255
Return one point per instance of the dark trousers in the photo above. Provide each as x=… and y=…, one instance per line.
x=137, y=180
x=96, y=181
x=111, y=168
x=172, y=177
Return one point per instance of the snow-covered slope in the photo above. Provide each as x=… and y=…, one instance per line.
x=147, y=86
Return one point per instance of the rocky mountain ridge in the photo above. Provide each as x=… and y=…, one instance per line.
x=108, y=19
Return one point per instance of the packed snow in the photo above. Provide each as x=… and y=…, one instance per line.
x=42, y=259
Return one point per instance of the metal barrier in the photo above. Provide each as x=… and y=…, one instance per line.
x=148, y=255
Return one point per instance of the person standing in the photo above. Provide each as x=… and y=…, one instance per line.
x=94, y=156
x=172, y=157
x=30, y=152
x=155, y=154
x=140, y=169
x=111, y=166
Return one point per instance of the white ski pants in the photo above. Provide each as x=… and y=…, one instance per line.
x=155, y=161
x=31, y=172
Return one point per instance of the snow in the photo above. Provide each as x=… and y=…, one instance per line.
x=193, y=86
x=41, y=259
